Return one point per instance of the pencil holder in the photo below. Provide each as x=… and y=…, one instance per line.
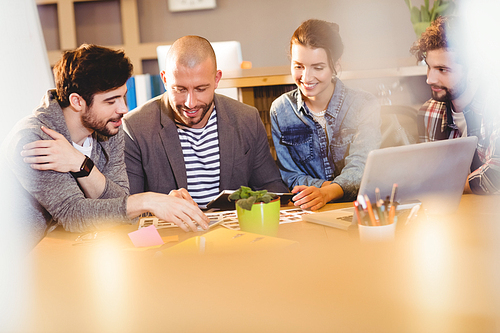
x=383, y=233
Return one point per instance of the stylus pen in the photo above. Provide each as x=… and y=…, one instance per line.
x=359, y=213
x=392, y=213
x=380, y=213
x=369, y=208
x=393, y=193
x=377, y=195
x=361, y=201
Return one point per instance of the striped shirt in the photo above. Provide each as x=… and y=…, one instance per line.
x=200, y=147
x=435, y=122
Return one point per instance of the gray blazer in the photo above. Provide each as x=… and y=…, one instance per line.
x=153, y=153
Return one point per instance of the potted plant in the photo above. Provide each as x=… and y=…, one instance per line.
x=423, y=17
x=258, y=211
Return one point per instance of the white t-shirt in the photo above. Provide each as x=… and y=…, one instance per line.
x=86, y=149
x=459, y=120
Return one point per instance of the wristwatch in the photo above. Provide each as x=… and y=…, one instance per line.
x=85, y=169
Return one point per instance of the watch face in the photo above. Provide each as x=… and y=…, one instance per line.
x=85, y=169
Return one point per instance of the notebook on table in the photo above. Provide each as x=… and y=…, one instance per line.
x=432, y=173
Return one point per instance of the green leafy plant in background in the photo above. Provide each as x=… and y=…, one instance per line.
x=423, y=17
x=245, y=197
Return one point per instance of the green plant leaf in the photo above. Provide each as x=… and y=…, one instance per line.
x=424, y=14
x=266, y=198
x=235, y=195
x=426, y=5
x=245, y=192
x=450, y=9
x=245, y=197
x=442, y=8
x=260, y=193
x=415, y=15
x=408, y=3
x=420, y=27
x=433, y=11
x=246, y=203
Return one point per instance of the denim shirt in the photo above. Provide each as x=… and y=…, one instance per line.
x=306, y=156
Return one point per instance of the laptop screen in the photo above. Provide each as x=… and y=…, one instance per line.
x=433, y=173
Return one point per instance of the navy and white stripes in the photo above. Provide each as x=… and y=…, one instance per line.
x=200, y=147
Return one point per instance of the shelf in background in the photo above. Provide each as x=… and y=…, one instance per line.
x=70, y=31
x=269, y=76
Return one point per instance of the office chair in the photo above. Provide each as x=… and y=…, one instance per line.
x=399, y=125
x=228, y=56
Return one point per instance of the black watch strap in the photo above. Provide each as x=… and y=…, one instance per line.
x=85, y=169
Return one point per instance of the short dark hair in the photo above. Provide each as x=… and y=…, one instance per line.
x=88, y=70
x=320, y=34
x=441, y=34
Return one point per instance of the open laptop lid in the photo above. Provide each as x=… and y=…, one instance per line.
x=433, y=173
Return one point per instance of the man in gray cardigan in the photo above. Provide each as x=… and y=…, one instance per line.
x=67, y=158
x=192, y=138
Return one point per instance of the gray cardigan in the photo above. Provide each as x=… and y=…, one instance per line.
x=49, y=197
x=154, y=158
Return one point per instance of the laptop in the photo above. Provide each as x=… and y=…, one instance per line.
x=431, y=173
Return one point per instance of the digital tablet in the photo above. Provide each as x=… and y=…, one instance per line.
x=222, y=202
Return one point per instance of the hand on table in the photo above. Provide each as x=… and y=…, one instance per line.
x=172, y=208
x=182, y=193
x=57, y=155
x=308, y=197
x=314, y=198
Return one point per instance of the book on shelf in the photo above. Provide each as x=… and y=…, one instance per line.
x=131, y=100
x=142, y=88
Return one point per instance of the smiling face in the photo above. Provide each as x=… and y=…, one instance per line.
x=106, y=111
x=445, y=76
x=311, y=72
x=191, y=91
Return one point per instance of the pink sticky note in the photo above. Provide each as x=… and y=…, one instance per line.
x=148, y=236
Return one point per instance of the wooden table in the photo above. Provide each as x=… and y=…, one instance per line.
x=439, y=275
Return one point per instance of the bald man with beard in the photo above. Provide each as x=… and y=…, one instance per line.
x=65, y=162
x=192, y=138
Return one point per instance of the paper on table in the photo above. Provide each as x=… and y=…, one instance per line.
x=228, y=219
x=148, y=236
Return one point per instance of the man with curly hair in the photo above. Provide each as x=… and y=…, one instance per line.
x=461, y=103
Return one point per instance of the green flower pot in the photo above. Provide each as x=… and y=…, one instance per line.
x=263, y=218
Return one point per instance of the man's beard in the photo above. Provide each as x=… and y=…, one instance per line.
x=442, y=98
x=450, y=94
x=89, y=121
x=188, y=121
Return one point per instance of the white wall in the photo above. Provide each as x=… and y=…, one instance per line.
x=376, y=34
x=24, y=66
x=25, y=75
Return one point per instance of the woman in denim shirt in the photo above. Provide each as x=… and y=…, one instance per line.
x=323, y=130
